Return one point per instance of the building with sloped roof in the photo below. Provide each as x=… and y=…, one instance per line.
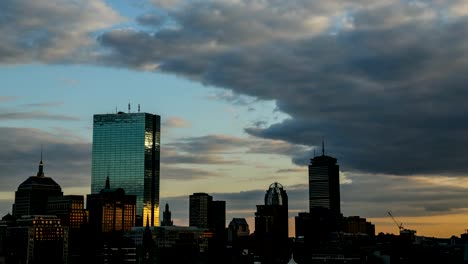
x=33, y=194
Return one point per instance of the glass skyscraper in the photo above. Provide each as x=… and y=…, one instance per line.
x=126, y=148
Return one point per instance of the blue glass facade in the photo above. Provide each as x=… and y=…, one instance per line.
x=126, y=147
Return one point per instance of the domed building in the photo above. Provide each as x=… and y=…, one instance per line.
x=33, y=194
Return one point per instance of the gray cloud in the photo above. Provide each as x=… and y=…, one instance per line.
x=51, y=31
x=67, y=160
x=40, y=115
x=43, y=104
x=236, y=99
x=388, y=94
x=178, y=173
x=209, y=144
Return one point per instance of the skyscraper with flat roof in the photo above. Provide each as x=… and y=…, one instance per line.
x=126, y=148
x=324, y=183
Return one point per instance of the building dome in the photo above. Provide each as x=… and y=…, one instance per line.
x=40, y=182
x=35, y=182
x=275, y=195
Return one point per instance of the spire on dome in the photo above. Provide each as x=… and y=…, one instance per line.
x=40, y=172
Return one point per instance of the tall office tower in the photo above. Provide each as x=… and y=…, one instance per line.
x=32, y=195
x=324, y=183
x=273, y=216
x=271, y=237
x=126, y=147
x=198, y=210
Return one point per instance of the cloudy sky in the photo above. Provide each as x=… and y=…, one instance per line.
x=246, y=90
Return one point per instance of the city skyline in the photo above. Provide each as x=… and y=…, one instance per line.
x=246, y=91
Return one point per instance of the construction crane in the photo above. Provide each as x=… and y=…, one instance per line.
x=400, y=225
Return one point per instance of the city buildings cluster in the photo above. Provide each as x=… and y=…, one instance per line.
x=120, y=221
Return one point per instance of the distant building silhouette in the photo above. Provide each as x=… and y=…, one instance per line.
x=238, y=228
x=33, y=194
x=111, y=210
x=206, y=213
x=126, y=147
x=167, y=221
x=324, y=183
x=199, y=204
x=271, y=226
x=358, y=225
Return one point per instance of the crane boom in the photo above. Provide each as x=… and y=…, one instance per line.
x=400, y=226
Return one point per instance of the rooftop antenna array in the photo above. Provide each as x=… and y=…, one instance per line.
x=129, y=107
x=138, y=108
x=323, y=147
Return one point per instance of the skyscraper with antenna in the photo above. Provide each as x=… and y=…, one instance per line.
x=324, y=183
x=126, y=147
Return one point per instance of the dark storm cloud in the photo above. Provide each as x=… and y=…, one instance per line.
x=67, y=161
x=51, y=30
x=388, y=94
x=211, y=149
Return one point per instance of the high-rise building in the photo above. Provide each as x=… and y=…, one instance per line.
x=33, y=194
x=324, y=183
x=271, y=237
x=273, y=216
x=199, y=204
x=126, y=148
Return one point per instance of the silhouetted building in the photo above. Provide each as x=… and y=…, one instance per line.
x=198, y=209
x=70, y=210
x=167, y=221
x=217, y=217
x=32, y=195
x=238, y=228
x=174, y=244
x=271, y=226
x=126, y=147
x=148, y=247
x=324, y=183
x=238, y=239
x=37, y=239
x=111, y=210
x=357, y=225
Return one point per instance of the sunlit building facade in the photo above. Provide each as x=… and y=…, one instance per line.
x=126, y=148
x=111, y=210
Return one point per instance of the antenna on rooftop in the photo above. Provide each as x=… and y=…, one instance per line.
x=323, y=147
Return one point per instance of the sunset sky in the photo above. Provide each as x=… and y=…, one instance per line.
x=247, y=90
